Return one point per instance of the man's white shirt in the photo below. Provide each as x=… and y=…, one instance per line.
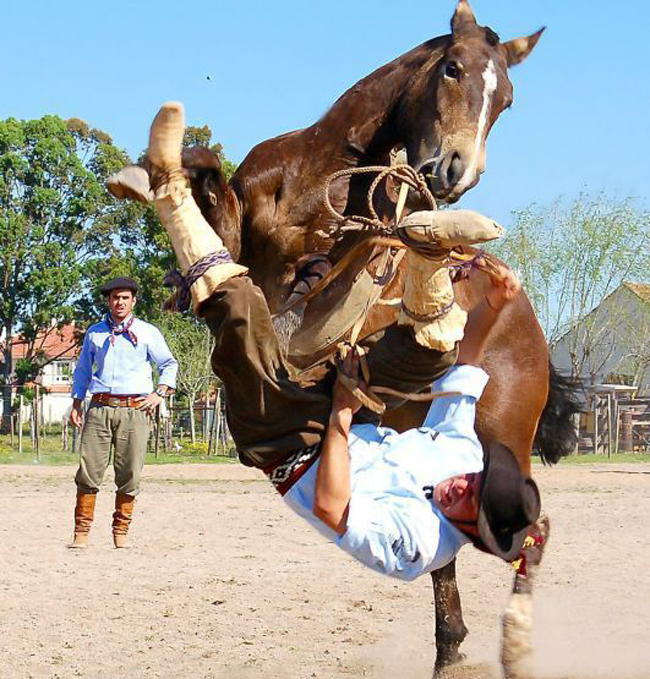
x=393, y=525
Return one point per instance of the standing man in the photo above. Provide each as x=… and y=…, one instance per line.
x=115, y=366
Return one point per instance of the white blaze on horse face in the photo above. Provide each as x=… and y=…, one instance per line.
x=489, y=88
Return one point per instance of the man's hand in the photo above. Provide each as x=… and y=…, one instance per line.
x=149, y=403
x=76, y=415
x=344, y=402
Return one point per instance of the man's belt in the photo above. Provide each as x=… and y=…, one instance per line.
x=287, y=471
x=124, y=401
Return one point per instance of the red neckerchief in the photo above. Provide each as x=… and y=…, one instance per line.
x=121, y=329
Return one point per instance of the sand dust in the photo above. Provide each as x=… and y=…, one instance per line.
x=224, y=582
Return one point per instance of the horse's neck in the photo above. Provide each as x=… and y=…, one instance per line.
x=358, y=123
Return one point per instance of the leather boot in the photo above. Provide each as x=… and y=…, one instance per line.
x=428, y=304
x=193, y=239
x=447, y=229
x=84, y=512
x=122, y=519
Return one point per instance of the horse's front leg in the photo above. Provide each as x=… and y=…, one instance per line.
x=450, y=628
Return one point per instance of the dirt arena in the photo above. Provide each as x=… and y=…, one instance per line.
x=224, y=582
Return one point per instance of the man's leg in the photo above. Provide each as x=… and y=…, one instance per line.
x=269, y=414
x=94, y=453
x=131, y=431
x=409, y=355
x=422, y=345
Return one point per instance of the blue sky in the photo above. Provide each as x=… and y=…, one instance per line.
x=580, y=119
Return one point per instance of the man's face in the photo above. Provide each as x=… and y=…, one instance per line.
x=120, y=303
x=458, y=498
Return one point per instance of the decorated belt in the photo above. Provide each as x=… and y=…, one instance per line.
x=286, y=472
x=124, y=401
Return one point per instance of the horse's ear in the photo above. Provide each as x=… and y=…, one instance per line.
x=463, y=18
x=519, y=48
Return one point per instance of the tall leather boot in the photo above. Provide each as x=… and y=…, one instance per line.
x=428, y=301
x=122, y=519
x=202, y=257
x=84, y=513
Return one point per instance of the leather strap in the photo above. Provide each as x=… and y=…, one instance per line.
x=116, y=401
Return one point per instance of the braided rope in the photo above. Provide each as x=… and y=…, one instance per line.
x=404, y=174
x=427, y=318
x=180, y=300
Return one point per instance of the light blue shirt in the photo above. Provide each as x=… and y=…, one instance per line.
x=122, y=367
x=393, y=525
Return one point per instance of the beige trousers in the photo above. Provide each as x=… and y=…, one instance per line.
x=128, y=430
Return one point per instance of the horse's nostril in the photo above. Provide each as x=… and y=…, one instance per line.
x=427, y=170
x=455, y=170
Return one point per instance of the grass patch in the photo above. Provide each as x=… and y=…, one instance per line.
x=51, y=454
x=616, y=458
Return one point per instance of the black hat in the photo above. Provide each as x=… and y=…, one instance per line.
x=120, y=283
x=510, y=503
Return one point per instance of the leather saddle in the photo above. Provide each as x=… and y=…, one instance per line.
x=339, y=308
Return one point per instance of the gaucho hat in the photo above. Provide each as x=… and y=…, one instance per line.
x=510, y=502
x=120, y=283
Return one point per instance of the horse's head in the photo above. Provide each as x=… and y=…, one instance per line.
x=213, y=195
x=445, y=116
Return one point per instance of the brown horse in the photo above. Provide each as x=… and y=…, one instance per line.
x=439, y=102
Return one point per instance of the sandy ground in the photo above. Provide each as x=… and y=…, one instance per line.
x=224, y=582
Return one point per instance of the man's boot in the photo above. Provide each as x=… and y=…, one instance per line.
x=446, y=229
x=428, y=301
x=84, y=512
x=122, y=519
x=204, y=261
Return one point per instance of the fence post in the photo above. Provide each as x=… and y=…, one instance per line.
x=169, y=429
x=217, y=414
x=64, y=434
x=596, y=428
x=37, y=423
x=626, y=444
x=20, y=425
x=157, y=433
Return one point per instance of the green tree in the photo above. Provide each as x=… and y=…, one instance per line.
x=191, y=343
x=54, y=217
x=62, y=234
x=571, y=256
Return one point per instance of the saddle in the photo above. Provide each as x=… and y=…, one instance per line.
x=337, y=307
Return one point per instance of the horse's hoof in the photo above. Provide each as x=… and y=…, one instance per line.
x=447, y=660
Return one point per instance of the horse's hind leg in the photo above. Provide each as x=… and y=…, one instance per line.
x=517, y=649
x=450, y=628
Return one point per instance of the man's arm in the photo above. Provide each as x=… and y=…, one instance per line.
x=332, y=490
x=158, y=352
x=162, y=357
x=80, y=380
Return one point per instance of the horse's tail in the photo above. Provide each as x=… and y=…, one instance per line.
x=556, y=435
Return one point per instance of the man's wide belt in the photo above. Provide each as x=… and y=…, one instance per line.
x=128, y=401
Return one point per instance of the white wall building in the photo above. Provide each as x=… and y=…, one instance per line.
x=61, y=347
x=612, y=343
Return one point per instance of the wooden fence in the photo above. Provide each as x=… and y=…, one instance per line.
x=614, y=421
x=171, y=431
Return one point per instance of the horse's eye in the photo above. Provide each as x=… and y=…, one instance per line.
x=452, y=70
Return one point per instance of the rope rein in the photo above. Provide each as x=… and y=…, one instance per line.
x=180, y=300
x=404, y=174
